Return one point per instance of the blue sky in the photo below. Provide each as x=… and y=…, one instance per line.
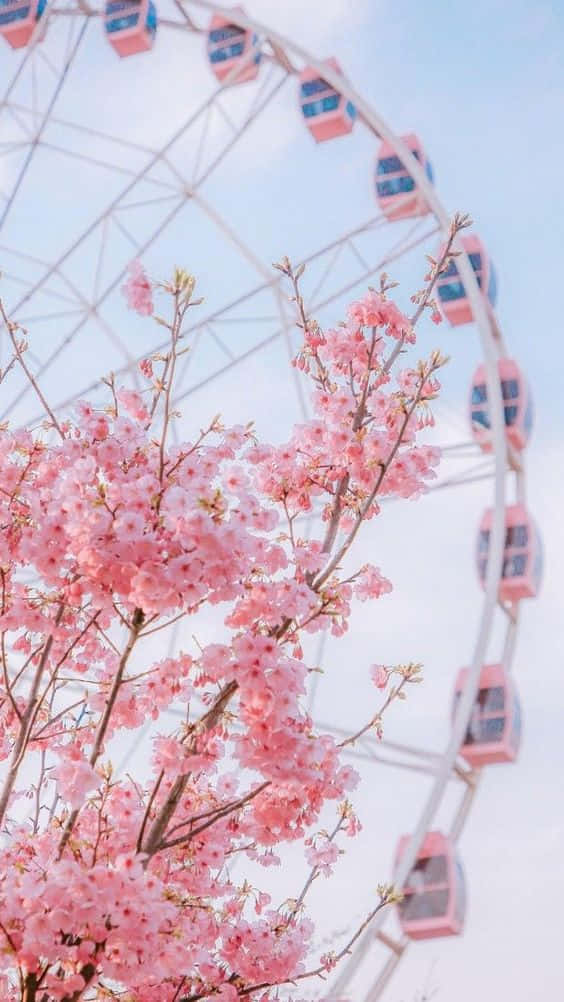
x=483, y=85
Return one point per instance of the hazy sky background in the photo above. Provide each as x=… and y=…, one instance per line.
x=483, y=85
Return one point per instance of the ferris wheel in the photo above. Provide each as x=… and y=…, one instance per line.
x=97, y=167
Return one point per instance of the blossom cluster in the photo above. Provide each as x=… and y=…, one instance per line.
x=118, y=887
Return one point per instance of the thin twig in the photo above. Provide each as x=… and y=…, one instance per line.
x=12, y=328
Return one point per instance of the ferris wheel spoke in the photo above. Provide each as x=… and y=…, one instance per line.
x=119, y=344
x=81, y=129
x=267, y=341
x=141, y=176
x=61, y=78
x=11, y=146
x=457, y=449
x=57, y=315
x=243, y=127
x=48, y=292
x=186, y=17
x=274, y=69
x=95, y=228
x=91, y=311
x=115, y=168
x=397, y=252
x=201, y=144
x=386, y=973
x=369, y=755
x=330, y=266
x=220, y=371
x=133, y=241
x=222, y=314
x=361, y=260
x=349, y=243
x=390, y=753
x=464, y=806
x=482, y=470
x=218, y=106
x=41, y=56
x=221, y=344
x=19, y=143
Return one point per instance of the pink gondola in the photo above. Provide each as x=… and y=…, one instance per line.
x=394, y=182
x=434, y=893
x=494, y=731
x=227, y=45
x=522, y=558
x=18, y=19
x=327, y=113
x=130, y=25
x=450, y=290
x=517, y=406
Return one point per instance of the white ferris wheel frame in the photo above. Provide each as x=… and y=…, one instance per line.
x=291, y=57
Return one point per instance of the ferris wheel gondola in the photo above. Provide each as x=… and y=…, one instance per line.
x=434, y=893
x=130, y=25
x=521, y=571
x=18, y=19
x=229, y=46
x=326, y=111
x=494, y=731
x=453, y=297
x=394, y=181
x=517, y=406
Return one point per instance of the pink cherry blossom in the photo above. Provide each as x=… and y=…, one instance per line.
x=133, y=404
x=322, y=854
x=138, y=290
x=371, y=584
x=75, y=777
x=379, y=676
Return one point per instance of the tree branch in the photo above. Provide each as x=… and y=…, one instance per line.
x=136, y=624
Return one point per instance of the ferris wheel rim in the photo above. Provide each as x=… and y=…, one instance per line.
x=492, y=349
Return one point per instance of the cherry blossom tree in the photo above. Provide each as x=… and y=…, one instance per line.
x=116, y=887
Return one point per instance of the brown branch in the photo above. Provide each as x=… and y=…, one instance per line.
x=10, y=365
x=135, y=627
x=53, y=679
x=26, y=723
x=147, y=813
x=221, y=813
x=53, y=720
x=205, y=724
x=87, y=971
x=77, y=639
x=7, y=683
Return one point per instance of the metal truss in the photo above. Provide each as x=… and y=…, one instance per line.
x=248, y=309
